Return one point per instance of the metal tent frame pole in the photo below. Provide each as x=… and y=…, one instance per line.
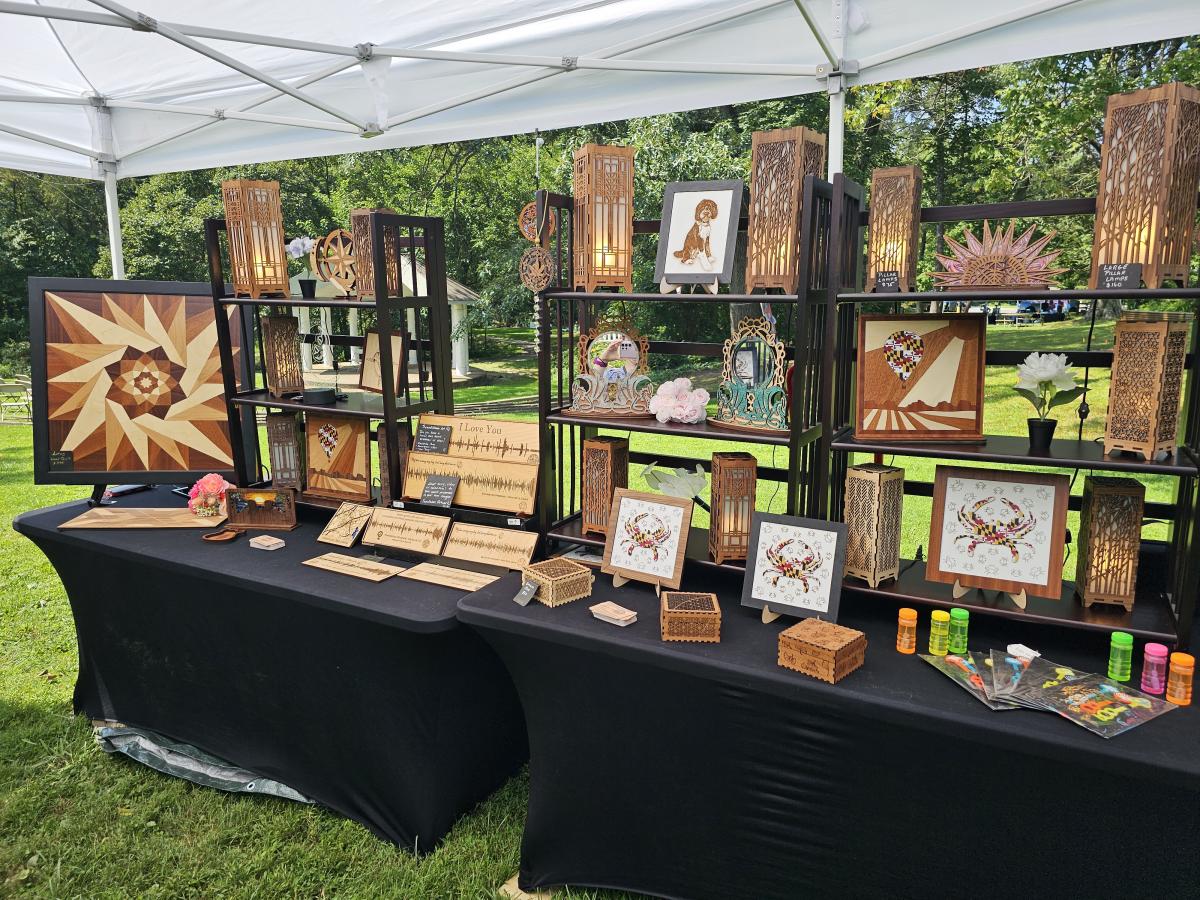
x=113, y=209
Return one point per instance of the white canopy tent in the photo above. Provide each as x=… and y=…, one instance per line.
x=97, y=89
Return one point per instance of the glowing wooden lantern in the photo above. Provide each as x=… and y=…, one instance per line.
x=1110, y=536
x=1147, y=377
x=873, y=508
x=605, y=468
x=254, y=221
x=364, y=258
x=734, y=478
x=895, y=225
x=281, y=355
x=1149, y=172
x=603, y=218
x=261, y=508
x=780, y=160
x=285, y=450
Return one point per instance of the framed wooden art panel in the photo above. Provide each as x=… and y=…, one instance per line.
x=338, y=457
x=920, y=377
x=997, y=530
x=794, y=566
x=647, y=537
x=127, y=382
x=370, y=375
x=346, y=524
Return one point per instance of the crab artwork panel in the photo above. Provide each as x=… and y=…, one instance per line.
x=920, y=377
x=647, y=536
x=795, y=566
x=999, y=531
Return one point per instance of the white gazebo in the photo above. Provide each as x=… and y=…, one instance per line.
x=101, y=90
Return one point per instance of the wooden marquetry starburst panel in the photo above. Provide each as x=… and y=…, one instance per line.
x=133, y=384
x=999, y=261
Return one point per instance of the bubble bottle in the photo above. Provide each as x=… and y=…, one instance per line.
x=939, y=632
x=1120, y=656
x=960, y=619
x=1154, y=669
x=906, y=631
x=1179, y=680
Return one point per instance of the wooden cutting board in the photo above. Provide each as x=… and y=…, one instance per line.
x=116, y=517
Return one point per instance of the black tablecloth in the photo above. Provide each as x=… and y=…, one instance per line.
x=706, y=770
x=369, y=698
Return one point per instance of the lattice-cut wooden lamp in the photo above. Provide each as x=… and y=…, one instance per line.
x=1149, y=174
x=285, y=450
x=780, y=160
x=605, y=468
x=364, y=269
x=894, y=227
x=734, y=477
x=1149, y=349
x=284, y=373
x=254, y=221
x=1110, y=536
x=873, y=509
x=603, y=217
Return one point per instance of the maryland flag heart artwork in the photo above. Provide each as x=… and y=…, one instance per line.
x=328, y=437
x=903, y=351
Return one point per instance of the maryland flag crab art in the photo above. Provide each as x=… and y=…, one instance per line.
x=798, y=564
x=993, y=530
x=645, y=531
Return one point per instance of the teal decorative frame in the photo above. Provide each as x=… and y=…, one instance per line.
x=760, y=407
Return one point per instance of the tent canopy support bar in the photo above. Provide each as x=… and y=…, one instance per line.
x=49, y=141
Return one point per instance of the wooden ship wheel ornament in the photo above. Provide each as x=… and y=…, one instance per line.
x=333, y=259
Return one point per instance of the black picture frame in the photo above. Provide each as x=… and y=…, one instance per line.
x=736, y=187
x=754, y=563
x=42, y=472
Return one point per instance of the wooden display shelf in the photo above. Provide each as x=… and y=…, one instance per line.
x=697, y=297
x=358, y=404
x=1188, y=293
x=650, y=425
x=1012, y=450
x=1150, y=620
x=470, y=514
x=570, y=531
x=348, y=302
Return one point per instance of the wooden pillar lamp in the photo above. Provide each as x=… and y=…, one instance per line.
x=605, y=468
x=780, y=161
x=285, y=450
x=1149, y=349
x=873, y=509
x=254, y=222
x=734, y=478
x=364, y=270
x=894, y=228
x=1110, y=536
x=603, y=217
x=1149, y=174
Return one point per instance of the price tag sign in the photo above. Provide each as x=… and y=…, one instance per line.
x=525, y=594
x=439, y=490
x=62, y=461
x=887, y=282
x=432, y=438
x=1119, y=276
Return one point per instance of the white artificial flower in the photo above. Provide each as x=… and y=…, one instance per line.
x=300, y=246
x=1040, y=368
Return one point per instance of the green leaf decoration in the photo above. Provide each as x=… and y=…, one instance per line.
x=1064, y=397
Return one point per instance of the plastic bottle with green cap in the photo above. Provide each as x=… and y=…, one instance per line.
x=1120, y=656
x=939, y=632
x=960, y=619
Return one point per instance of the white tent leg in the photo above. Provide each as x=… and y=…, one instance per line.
x=460, y=355
x=837, y=129
x=412, y=333
x=113, y=209
x=326, y=328
x=355, y=352
x=301, y=314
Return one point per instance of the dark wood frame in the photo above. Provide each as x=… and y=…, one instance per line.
x=240, y=436
x=954, y=437
x=1061, y=484
x=681, y=542
x=737, y=188
x=839, y=563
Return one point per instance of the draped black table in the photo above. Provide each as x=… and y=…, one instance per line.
x=369, y=698
x=706, y=770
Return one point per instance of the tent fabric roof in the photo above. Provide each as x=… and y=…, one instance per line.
x=171, y=86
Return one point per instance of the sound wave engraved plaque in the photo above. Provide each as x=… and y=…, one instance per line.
x=403, y=530
x=489, y=438
x=495, y=546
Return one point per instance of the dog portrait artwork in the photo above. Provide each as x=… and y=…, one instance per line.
x=698, y=234
x=697, y=245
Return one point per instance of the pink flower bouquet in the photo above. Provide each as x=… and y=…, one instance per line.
x=678, y=401
x=207, y=496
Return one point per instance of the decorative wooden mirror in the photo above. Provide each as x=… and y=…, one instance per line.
x=612, y=379
x=751, y=396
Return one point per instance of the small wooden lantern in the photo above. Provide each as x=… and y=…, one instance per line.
x=1110, y=536
x=603, y=218
x=254, y=221
x=734, y=478
x=687, y=616
x=874, y=505
x=1147, y=377
x=605, y=468
x=261, y=508
x=285, y=450
x=895, y=225
x=822, y=649
x=559, y=581
x=1149, y=172
x=780, y=161
x=364, y=257
x=281, y=355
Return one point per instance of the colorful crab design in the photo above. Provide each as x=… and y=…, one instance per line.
x=645, y=531
x=800, y=565
x=1006, y=533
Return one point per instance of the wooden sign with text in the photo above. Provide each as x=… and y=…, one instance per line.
x=495, y=546
x=447, y=576
x=402, y=530
x=345, y=564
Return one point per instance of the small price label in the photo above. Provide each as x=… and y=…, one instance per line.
x=1119, y=276
x=432, y=438
x=525, y=594
x=887, y=282
x=439, y=490
x=62, y=461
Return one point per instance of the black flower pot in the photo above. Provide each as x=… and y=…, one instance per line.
x=1041, y=433
x=308, y=288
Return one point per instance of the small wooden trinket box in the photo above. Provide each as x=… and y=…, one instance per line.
x=559, y=580
x=266, y=542
x=822, y=649
x=687, y=616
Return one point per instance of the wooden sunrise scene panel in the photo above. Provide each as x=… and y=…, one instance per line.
x=338, y=457
x=133, y=383
x=920, y=377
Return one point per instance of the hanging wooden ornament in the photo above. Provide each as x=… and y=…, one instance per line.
x=527, y=222
x=998, y=262
x=332, y=258
x=536, y=268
